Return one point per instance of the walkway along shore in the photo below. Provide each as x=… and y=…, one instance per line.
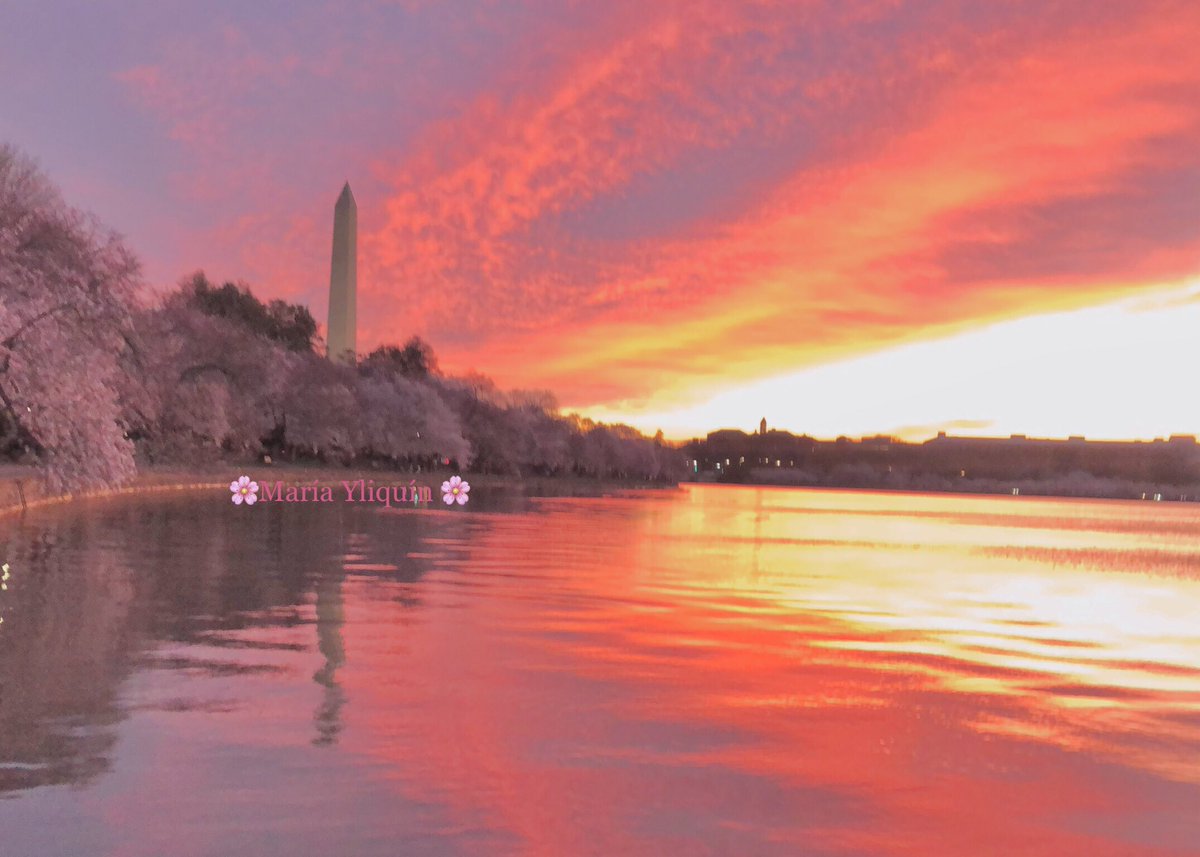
x=20, y=487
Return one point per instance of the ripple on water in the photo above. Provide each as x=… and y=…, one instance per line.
x=713, y=670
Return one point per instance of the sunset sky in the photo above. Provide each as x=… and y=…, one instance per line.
x=846, y=217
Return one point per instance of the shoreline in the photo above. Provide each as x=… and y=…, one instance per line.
x=21, y=492
x=1076, y=487
x=20, y=487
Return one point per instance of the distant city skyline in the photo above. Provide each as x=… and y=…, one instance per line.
x=852, y=218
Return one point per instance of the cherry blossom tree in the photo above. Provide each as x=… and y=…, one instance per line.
x=405, y=418
x=195, y=382
x=320, y=412
x=437, y=429
x=66, y=290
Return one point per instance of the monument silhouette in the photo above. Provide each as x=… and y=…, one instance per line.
x=343, y=280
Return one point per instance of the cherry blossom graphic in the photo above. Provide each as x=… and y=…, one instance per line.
x=454, y=490
x=244, y=491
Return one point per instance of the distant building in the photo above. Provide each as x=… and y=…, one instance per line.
x=762, y=426
x=1074, y=465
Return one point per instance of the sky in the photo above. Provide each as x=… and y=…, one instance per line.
x=848, y=218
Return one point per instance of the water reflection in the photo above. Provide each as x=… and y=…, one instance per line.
x=712, y=670
x=330, y=619
x=64, y=648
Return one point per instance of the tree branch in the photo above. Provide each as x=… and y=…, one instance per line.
x=193, y=372
x=12, y=340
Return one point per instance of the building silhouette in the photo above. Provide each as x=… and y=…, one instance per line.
x=1015, y=464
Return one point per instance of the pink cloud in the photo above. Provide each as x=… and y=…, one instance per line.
x=920, y=170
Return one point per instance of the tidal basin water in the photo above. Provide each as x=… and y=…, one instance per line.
x=709, y=670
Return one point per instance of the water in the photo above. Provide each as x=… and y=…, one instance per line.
x=714, y=670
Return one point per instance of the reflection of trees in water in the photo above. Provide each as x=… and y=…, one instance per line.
x=96, y=587
x=64, y=648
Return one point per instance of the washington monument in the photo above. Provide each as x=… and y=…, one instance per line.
x=343, y=279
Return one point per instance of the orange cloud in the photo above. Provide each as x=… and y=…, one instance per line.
x=661, y=202
x=949, y=217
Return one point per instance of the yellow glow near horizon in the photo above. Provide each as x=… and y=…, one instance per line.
x=1116, y=371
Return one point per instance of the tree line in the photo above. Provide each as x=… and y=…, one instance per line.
x=97, y=377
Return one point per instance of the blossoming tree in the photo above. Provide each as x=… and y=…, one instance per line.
x=66, y=288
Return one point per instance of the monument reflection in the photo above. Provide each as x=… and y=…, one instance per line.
x=710, y=670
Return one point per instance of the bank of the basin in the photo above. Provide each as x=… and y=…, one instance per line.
x=21, y=488
x=1077, y=485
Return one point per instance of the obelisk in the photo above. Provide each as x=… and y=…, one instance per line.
x=343, y=279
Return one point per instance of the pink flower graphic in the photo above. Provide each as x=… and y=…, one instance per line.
x=244, y=491
x=454, y=490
